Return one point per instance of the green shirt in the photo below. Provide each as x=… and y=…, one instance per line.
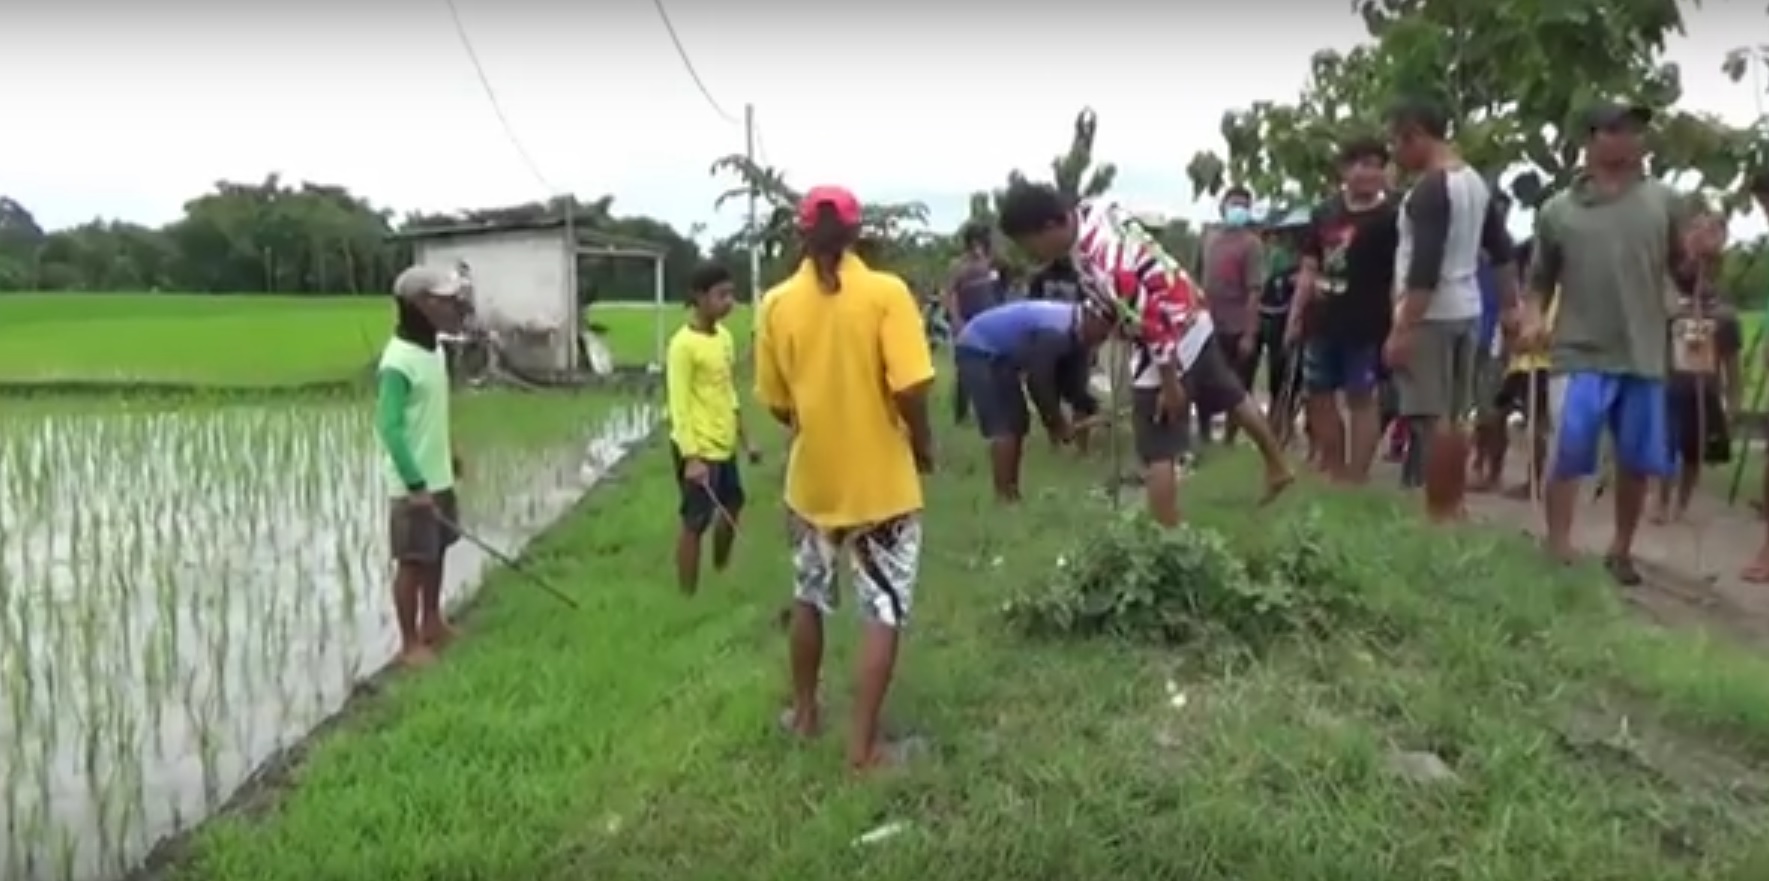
x=411, y=418
x=1610, y=255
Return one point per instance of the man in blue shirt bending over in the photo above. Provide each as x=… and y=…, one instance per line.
x=1036, y=347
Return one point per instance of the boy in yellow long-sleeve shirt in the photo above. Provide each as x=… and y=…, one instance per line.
x=706, y=424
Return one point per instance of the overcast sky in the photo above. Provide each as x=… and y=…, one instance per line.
x=127, y=109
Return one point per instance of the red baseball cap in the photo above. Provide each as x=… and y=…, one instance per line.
x=847, y=208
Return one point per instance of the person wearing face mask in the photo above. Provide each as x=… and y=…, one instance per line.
x=1233, y=270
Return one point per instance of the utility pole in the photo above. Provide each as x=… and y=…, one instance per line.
x=754, y=237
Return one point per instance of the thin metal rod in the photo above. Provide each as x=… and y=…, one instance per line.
x=509, y=562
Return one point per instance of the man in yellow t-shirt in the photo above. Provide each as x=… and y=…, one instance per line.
x=842, y=358
x=706, y=424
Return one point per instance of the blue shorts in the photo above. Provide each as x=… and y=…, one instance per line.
x=1333, y=366
x=1632, y=409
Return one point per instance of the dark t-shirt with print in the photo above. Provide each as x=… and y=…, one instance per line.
x=975, y=285
x=1354, y=250
x=1705, y=335
x=1057, y=281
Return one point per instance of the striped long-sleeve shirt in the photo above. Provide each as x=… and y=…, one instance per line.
x=1158, y=305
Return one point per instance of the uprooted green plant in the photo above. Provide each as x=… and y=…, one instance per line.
x=1190, y=585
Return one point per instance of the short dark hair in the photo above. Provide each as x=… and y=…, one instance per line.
x=1759, y=184
x=973, y=235
x=1026, y=209
x=1427, y=116
x=1237, y=192
x=1355, y=150
x=705, y=277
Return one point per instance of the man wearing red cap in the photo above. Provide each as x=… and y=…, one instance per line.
x=842, y=358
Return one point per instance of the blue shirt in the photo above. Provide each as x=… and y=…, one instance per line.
x=1005, y=330
x=1489, y=303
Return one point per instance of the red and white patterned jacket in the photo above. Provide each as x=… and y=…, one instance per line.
x=1160, y=307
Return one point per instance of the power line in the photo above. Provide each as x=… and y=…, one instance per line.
x=682, y=52
x=496, y=107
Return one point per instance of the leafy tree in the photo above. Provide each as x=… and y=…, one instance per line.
x=1515, y=74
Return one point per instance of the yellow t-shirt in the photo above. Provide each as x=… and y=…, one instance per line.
x=835, y=362
x=1530, y=362
x=702, y=394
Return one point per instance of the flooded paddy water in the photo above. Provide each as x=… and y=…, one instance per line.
x=187, y=589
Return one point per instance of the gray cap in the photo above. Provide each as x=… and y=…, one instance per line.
x=434, y=281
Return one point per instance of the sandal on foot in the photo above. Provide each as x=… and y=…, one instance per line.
x=1623, y=570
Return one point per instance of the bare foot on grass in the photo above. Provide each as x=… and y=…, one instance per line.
x=888, y=755
x=417, y=657
x=803, y=727
x=439, y=635
x=1275, y=484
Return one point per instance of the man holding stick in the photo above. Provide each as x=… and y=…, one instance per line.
x=420, y=461
x=1608, y=243
x=1704, y=383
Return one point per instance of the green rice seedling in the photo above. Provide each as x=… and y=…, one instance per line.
x=186, y=587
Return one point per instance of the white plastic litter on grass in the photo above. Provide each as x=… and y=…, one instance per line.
x=888, y=830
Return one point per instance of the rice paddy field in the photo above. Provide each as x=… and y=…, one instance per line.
x=233, y=340
x=186, y=588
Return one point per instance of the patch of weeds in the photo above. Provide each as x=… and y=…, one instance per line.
x=1134, y=580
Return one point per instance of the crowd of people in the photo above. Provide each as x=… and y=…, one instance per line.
x=1417, y=302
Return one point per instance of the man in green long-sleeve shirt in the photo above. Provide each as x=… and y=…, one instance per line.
x=411, y=419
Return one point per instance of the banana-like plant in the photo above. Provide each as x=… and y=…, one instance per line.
x=885, y=222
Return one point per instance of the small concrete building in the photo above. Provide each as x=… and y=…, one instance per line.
x=525, y=282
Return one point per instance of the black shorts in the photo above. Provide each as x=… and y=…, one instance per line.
x=1514, y=393
x=1074, y=378
x=1692, y=417
x=1211, y=385
x=701, y=503
x=997, y=396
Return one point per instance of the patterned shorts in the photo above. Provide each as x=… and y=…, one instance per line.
x=885, y=559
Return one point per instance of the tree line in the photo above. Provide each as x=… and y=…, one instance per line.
x=272, y=237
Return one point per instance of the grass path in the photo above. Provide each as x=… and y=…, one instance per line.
x=635, y=740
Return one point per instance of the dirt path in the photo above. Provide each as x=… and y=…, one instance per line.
x=1691, y=567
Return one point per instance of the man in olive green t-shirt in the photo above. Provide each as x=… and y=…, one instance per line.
x=411, y=419
x=1609, y=245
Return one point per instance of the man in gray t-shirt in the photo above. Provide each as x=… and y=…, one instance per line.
x=1609, y=244
x=972, y=287
x=1446, y=221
